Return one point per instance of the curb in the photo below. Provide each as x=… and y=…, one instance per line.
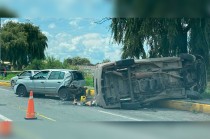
x=7, y=84
x=185, y=106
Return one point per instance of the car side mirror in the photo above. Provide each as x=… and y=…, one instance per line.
x=31, y=77
x=18, y=75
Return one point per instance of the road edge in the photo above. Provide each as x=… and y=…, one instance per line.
x=6, y=83
x=185, y=106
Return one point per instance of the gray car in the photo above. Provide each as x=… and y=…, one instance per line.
x=60, y=82
x=24, y=74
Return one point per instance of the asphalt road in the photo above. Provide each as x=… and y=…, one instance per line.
x=58, y=119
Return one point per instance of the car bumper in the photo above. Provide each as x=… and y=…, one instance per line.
x=15, y=89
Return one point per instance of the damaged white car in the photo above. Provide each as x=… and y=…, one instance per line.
x=132, y=83
x=64, y=83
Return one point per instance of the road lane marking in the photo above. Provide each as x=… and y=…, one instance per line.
x=118, y=115
x=5, y=118
x=23, y=109
x=41, y=115
x=38, y=114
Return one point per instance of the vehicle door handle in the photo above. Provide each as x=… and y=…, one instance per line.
x=58, y=82
x=42, y=82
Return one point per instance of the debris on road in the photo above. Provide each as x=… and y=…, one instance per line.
x=88, y=100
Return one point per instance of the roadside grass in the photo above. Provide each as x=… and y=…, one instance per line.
x=89, y=80
x=9, y=76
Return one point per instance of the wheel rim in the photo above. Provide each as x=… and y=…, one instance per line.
x=63, y=94
x=21, y=91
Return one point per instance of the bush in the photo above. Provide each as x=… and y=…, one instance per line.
x=9, y=76
x=89, y=80
x=36, y=65
x=52, y=63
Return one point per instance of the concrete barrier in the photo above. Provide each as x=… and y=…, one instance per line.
x=185, y=106
x=7, y=84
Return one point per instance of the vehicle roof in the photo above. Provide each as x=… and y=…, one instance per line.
x=58, y=70
x=31, y=70
x=139, y=61
x=157, y=59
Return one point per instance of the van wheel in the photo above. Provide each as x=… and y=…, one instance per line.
x=125, y=62
x=187, y=57
x=21, y=91
x=63, y=94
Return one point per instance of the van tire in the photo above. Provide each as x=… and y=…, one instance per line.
x=125, y=62
x=187, y=57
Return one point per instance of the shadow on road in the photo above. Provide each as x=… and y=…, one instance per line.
x=46, y=97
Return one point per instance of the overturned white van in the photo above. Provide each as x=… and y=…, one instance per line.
x=133, y=83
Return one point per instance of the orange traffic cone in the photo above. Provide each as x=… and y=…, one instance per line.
x=5, y=128
x=30, y=114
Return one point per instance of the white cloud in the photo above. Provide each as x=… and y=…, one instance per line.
x=47, y=34
x=93, y=46
x=8, y=20
x=76, y=40
x=52, y=26
x=75, y=23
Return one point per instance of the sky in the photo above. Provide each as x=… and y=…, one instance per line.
x=71, y=27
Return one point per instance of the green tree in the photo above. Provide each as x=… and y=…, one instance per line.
x=163, y=36
x=77, y=61
x=37, y=42
x=22, y=43
x=36, y=65
x=52, y=63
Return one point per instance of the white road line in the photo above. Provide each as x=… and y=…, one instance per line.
x=118, y=115
x=5, y=118
x=45, y=117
